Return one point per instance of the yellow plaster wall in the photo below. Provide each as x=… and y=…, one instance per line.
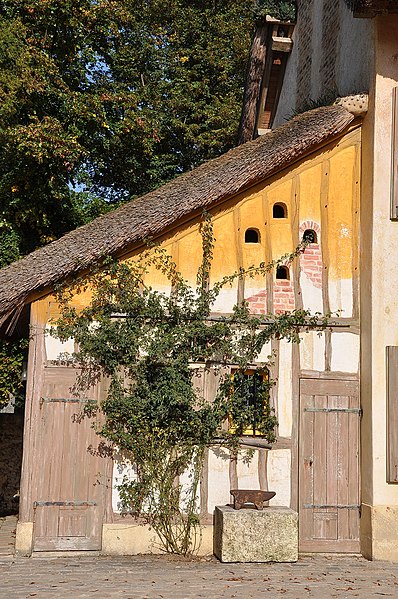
x=226, y=258
x=300, y=188
x=340, y=213
x=280, y=229
x=310, y=194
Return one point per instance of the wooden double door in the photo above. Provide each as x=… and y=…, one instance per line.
x=329, y=467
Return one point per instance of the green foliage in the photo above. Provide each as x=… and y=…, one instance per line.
x=150, y=347
x=9, y=244
x=101, y=101
x=249, y=408
x=284, y=10
x=12, y=355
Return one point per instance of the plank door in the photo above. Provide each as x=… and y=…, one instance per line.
x=329, y=502
x=68, y=511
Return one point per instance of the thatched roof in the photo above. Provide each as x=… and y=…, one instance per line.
x=148, y=216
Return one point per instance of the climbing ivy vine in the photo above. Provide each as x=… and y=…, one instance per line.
x=149, y=349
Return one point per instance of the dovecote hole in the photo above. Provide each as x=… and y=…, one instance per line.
x=282, y=272
x=310, y=236
x=252, y=236
x=279, y=210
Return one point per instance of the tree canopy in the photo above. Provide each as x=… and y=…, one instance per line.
x=104, y=100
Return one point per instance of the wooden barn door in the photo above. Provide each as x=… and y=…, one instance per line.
x=68, y=512
x=329, y=506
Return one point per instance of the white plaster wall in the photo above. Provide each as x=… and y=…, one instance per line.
x=186, y=480
x=285, y=392
x=122, y=469
x=279, y=463
x=266, y=354
x=353, y=68
x=225, y=301
x=353, y=65
x=312, y=351
x=341, y=297
x=247, y=469
x=312, y=296
x=345, y=352
x=287, y=98
x=316, y=89
x=218, y=479
x=384, y=288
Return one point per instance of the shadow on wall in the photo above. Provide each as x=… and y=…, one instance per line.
x=11, y=438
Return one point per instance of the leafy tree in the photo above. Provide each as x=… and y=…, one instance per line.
x=149, y=346
x=104, y=100
x=284, y=10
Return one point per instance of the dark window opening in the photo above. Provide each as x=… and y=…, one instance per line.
x=310, y=236
x=282, y=272
x=279, y=211
x=252, y=236
x=251, y=392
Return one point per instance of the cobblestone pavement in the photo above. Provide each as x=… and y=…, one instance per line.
x=8, y=524
x=151, y=577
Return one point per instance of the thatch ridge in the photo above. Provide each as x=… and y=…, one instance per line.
x=149, y=215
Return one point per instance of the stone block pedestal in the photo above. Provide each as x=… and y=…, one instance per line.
x=248, y=535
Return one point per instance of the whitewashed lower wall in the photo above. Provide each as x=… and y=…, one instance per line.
x=345, y=352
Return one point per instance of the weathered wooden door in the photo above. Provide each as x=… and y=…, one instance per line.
x=68, y=511
x=329, y=502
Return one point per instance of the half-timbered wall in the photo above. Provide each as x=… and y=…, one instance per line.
x=320, y=194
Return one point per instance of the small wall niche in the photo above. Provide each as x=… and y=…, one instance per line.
x=310, y=236
x=279, y=210
x=252, y=236
x=282, y=273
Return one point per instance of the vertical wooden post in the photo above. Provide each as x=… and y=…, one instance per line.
x=392, y=414
x=254, y=77
x=394, y=157
x=33, y=393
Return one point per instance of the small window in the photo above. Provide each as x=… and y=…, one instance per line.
x=252, y=236
x=250, y=390
x=282, y=272
x=279, y=210
x=310, y=236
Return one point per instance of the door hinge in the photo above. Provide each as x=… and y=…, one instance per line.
x=325, y=506
x=63, y=503
x=343, y=410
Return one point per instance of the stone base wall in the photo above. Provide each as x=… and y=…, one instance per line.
x=134, y=539
x=11, y=437
x=379, y=532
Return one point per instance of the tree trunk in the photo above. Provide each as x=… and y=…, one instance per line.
x=255, y=72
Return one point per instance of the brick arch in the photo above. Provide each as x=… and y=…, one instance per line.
x=310, y=224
